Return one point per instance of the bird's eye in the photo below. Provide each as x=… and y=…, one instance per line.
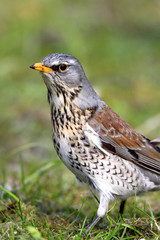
x=63, y=67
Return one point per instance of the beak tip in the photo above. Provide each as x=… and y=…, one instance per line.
x=40, y=67
x=32, y=66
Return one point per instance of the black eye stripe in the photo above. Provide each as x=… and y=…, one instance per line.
x=55, y=67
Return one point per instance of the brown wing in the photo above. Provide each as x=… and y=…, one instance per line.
x=120, y=138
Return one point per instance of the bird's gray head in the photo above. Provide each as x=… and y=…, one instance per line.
x=63, y=73
x=65, y=70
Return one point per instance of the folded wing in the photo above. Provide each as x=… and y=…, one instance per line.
x=121, y=139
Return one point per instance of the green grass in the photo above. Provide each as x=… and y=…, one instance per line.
x=118, y=44
x=27, y=221
x=49, y=206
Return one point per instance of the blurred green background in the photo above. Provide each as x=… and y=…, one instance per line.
x=118, y=45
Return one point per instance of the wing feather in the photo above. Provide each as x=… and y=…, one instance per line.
x=120, y=138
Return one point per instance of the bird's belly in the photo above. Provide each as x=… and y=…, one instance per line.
x=121, y=179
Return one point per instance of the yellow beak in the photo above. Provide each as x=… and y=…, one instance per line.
x=41, y=67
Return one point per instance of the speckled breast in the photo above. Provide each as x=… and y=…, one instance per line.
x=70, y=142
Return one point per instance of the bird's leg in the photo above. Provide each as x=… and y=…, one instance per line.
x=121, y=209
x=102, y=209
x=96, y=220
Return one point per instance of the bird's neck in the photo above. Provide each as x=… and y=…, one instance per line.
x=61, y=97
x=64, y=112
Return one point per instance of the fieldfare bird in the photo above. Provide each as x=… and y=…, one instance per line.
x=96, y=144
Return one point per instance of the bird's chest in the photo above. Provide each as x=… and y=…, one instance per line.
x=70, y=141
x=68, y=134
